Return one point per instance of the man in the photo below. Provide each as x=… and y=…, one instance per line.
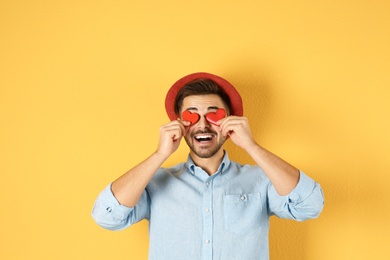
x=207, y=207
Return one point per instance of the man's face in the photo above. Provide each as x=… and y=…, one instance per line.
x=203, y=138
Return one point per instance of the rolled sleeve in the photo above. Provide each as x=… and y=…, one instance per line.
x=305, y=201
x=110, y=214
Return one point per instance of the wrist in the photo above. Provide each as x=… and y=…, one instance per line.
x=251, y=147
x=160, y=155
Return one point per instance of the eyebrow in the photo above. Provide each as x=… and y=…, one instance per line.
x=209, y=108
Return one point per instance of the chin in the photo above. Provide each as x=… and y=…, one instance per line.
x=206, y=154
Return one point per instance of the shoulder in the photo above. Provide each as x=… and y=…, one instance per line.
x=247, y=171
x=166, y=173
x=166, y=178
x=245, y=168
x=173, y=170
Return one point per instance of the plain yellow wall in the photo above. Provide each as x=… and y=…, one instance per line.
x=82, y=87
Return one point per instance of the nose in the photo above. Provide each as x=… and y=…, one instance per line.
x=203, y=123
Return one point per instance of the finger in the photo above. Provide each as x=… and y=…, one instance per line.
x=176, y=129
x=229, y=124
x=238, y=121
x=238, y=126
x=178, y=122
x=185, y=122
x=229, y=129
x=228, y=120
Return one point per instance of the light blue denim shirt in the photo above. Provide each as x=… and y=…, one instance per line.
x=195, y=216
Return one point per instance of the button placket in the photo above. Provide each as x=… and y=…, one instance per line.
x=207, y=220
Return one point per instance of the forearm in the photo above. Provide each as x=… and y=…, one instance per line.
x=128, y=188
x=284, y=177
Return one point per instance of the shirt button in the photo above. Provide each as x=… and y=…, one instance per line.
x=207, y=210
x=207, y=241
x=207, y=183
x=243, y=197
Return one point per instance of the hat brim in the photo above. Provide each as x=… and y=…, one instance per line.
x=235, y=108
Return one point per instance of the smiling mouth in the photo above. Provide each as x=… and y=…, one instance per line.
x=203, y=138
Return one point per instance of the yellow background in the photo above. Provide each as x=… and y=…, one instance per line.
x=82, y=87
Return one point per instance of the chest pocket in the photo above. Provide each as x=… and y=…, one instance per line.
x=242, y=213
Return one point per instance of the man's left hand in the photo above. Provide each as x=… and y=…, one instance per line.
x=237, y=128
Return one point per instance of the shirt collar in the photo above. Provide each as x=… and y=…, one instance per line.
x=190, y=165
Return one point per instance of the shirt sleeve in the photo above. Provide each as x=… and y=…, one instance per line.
x=306, y=201
x=110, y=214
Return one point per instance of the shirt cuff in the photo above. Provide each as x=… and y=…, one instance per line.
x=112, y=205
x=303, y=189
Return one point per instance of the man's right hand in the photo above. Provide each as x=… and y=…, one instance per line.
x=170, y=137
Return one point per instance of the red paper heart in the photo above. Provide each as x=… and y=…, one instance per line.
x=192, y=117
x=214, y=117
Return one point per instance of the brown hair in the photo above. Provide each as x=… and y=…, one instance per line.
x=200, y=87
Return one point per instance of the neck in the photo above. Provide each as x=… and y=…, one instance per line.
x=209, y=165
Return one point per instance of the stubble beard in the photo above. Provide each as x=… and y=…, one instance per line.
x=203, y=152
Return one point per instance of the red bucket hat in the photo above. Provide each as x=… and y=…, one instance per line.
x=235, y=108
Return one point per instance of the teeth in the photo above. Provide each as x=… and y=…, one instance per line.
x=203, y=136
